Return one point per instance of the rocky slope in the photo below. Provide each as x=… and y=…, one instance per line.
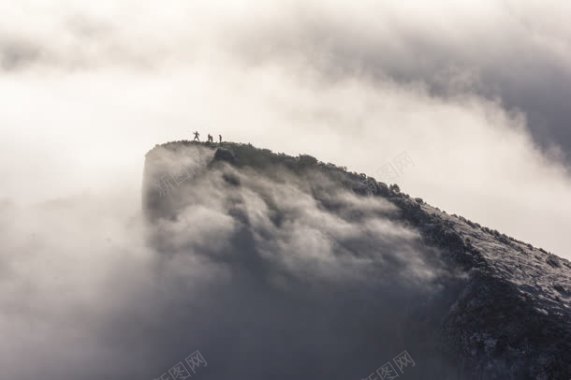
x=336, y=274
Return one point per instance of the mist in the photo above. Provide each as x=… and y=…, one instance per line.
x=280, y=268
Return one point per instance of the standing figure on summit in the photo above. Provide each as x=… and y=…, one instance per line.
x=196, y=136
x=210, y=138
x=219, y=139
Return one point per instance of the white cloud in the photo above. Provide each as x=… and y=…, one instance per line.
x=97, y=84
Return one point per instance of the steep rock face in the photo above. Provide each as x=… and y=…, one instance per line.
x=513, y=318
x=338, y=273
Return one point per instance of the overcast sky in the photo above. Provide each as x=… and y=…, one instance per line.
x=476, y=93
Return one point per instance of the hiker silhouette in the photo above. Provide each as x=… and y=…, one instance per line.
x=220, y=139
x=196, y=136
x=210, y=138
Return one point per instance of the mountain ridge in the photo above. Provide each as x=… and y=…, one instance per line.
x=504, y=307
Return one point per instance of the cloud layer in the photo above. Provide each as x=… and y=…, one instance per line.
x=474, y=92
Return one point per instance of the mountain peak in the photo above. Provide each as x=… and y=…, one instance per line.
x=466, y=299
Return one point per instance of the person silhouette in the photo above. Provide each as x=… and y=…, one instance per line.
x=196, y=136
x=210, y=138
x=220, y=139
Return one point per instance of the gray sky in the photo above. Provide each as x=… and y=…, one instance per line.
x=475, y=92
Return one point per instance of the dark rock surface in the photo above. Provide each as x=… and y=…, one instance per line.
x=224, y=155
